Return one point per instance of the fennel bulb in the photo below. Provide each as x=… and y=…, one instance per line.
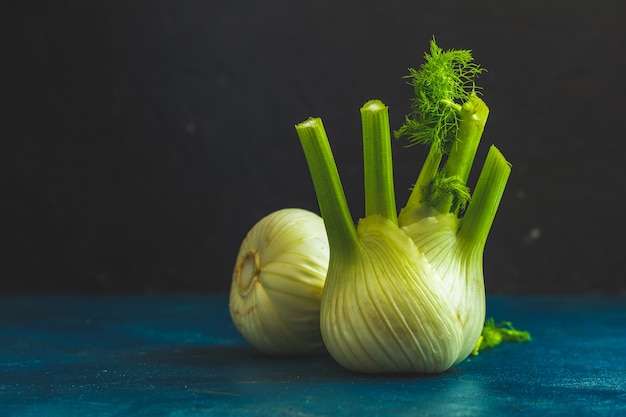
x=405, y=293
x=278, y=280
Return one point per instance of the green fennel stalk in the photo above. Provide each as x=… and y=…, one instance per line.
x=378, y=174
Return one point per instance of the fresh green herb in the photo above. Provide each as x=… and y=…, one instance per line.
x=492, y=335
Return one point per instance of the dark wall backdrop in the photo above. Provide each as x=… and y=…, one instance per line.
x=142, y=139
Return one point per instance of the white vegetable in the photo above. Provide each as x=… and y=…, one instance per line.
x=402, y=292
x=278, y=281
x=385, y=309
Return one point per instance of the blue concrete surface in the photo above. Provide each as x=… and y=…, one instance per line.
x=180, y=356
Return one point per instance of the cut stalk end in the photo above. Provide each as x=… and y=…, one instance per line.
x=378, y=166
x=481, y=212
x=328, y=188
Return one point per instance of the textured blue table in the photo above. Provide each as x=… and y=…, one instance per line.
x=181, y=356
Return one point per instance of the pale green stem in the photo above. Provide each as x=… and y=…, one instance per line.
x=377, y=159
x=473, y=117
x=478, y=219
x=338, y=221
x=413, y=210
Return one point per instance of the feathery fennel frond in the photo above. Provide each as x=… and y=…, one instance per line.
x=442, y=84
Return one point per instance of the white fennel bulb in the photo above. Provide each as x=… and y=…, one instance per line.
x=278, y=280
x=384, y=308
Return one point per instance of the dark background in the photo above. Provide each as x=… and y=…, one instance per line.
x=142, y=139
